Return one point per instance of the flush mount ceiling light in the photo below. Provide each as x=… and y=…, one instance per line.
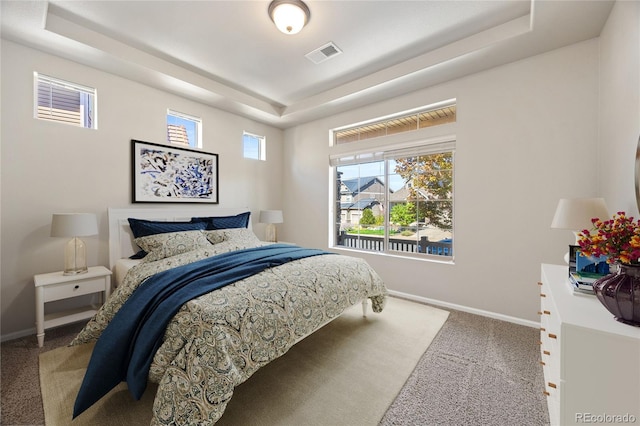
x=290, y=16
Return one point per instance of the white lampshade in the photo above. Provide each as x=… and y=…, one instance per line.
x=290, y=16
x=576, y=213
x=74, y=225
x=271, y=216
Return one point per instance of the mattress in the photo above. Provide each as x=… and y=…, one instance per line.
x=123, y=266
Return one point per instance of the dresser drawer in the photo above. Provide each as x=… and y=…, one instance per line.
x=550, y=357
x=550, y=351
x=553, y=405
x=73, y=289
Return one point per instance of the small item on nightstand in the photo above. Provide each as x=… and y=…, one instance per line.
x=580, y=284
x=585, y=270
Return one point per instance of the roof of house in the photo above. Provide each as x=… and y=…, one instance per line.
x=360, y=204
x=403, y=195
x=360, y=184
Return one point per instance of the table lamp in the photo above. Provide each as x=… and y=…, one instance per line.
x=271, y=217
x=74, y=225
x=575, y=214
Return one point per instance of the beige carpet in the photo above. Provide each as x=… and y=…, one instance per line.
x=347, y=373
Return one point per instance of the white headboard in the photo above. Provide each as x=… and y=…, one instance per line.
x=121, y=243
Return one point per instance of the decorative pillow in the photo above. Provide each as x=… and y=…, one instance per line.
x=241, y=237
x=142, y=228
x=160, y=246
x=224, y=222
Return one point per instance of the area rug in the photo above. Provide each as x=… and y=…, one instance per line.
x=347, y=373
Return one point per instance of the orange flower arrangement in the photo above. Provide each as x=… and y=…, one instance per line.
x=617, y=238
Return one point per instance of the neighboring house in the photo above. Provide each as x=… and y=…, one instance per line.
x=368, y=193
x=359, y=194
x=177, y=134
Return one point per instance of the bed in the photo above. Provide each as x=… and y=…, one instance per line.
x=215, y=340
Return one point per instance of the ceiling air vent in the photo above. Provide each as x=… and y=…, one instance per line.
x=323, y=53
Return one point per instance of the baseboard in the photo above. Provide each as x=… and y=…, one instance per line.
x=18, y=334
x=475, y=311
x=32, y=331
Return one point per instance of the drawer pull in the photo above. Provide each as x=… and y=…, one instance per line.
x=542, y=363
x=545, y=393
x=546, y=352
x=77, y=287
x=552, y=385
x=543, y=295
x=546, y=312
x=543, y=329
x=539, y=283
x=539, y=313
x=553, y=336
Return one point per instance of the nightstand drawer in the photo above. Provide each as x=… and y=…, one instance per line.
x=73, y=289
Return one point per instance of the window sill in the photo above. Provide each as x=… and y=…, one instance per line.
x=419, y=257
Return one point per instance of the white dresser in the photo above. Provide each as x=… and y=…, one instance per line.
x=591, y=362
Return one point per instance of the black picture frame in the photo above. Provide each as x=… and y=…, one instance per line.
x=170, y=174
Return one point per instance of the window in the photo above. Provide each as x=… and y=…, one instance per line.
x=402, y=203
x=184, y=129
x=396, y=198
x=405, y=122
x=64, y=102
x=254, y=146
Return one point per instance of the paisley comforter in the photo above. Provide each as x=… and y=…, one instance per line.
x=218, y=340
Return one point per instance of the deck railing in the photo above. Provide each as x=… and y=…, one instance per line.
x=376, y=243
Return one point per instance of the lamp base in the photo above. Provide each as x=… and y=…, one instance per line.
x=75, y=258
x=270, y=233
x=76, y=272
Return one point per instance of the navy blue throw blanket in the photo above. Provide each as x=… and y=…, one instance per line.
x=126, y=348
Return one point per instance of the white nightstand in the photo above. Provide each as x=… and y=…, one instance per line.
x=56, y=286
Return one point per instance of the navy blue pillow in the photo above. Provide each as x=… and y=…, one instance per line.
x=139, y=255
x=142, y=228
x=224, y=222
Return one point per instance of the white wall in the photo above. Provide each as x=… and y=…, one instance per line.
x=49, y=167
x=526, y=136
x=619, y=106
x=562, y=124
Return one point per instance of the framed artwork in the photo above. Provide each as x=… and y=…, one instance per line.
x=167, y=174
